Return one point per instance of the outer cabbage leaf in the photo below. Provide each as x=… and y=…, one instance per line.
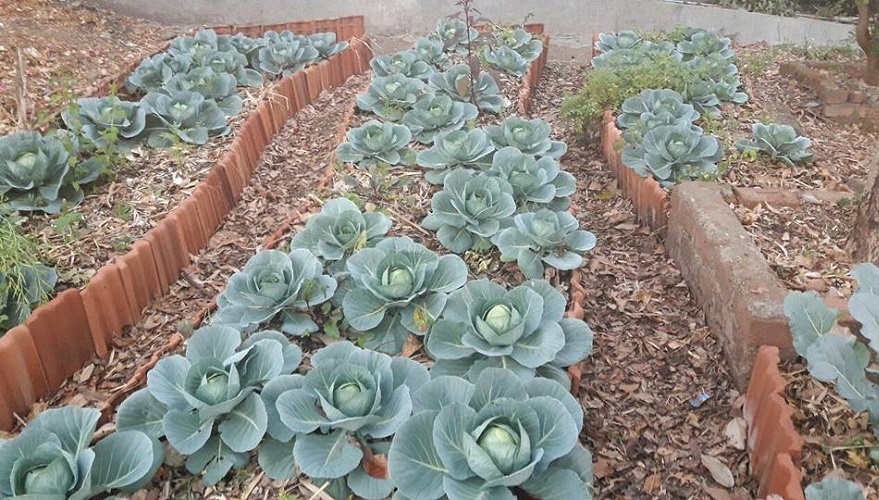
x=457, y=83
x=106, y=121
x=437, y=114
x=528, y=136
x=374, y=143
x=458, y=148
x=674, y=153
x=536, y=183
x=779, y=141
x=390, y=97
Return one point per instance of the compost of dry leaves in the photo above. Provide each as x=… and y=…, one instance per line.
x=67, y=46
x=803, y=245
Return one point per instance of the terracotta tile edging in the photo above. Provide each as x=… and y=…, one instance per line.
x=121, y=290
x=534, y=72
x=774, y=445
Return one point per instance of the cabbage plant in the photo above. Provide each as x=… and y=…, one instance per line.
x=457, y=83
x=458, y=148
x=182, y=115
x=615, y=41
x=674, y=153
x=520, y=40
x=489, y=439
x=326, y=44
x=430, y=50
x=454, y=33
x=653, y=108
x=537, y=183
x=221, y=87
x=202, y=41
x=207, y=403
x=153, y=72
x=406, y=63
x=505, y=59
x=285, y=53
x=246, y=46
x=341, y=412
x=40, y=173
x=544, y=237
x=272, y=284
x=779, y=141
x=704, y=43
x=231, y=62
x=470, y=210
x=523, y=330
x=437, y=114
x=528, y=136
x=21, y=288
x=106, y=121
x=701, y=94
x=390, y=97
x=339, y=230
x=400, y=287
x=374, y=143
x=53, y=458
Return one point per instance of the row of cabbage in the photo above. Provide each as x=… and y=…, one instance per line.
x=187, y=94
x=491, y=417
x=662, y=138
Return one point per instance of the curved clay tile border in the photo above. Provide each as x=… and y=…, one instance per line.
x=362, y=54
x=58, y=338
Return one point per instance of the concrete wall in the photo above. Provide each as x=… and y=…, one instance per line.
x=570, y=22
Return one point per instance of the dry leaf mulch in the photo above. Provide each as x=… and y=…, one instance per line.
x=67, y=47
x=653, y=351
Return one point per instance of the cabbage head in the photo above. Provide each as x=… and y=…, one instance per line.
x=406, y=63
x=779, y=141
x=23, y=287
x=207, y=403
x=537, y=183
x=674, y=153
x=459, y=148
x=374, y=143
x=52, y=458
x=456, y=83
x=430, y=50
x=106, y=121
x=528, y=136
x=40, y=173
x=285, y=53
x=437, y=114
x=544, y=237
x=521, y=41
x=489, y=438
x=182, y=115
x=523, y=330
x=505, y=59
x=340, y=230
x=391, y=96
x=221, y=87
x=272, y=284
x=470, y=210
x=343, y=409
x=400, y=287
x=326, y=44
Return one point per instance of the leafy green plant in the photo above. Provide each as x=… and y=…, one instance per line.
x=204, y=40
x=246, y=46
x=455, y=33
x=653, y=108
x=107, y=122
x=705, y=43
x=338, y=416
x=182, y=115
x=528, y=136
x=406, y=63
x=221, y=87
x=40, y=173
x=430, y=50
x=339, y=230
x=833, y=354
x=52, y=458
x=456, y=149
x=275, y=283
x=399, y=287
x=207, y=403
x=22, y=287
x=544, y=237
x=505, y=59
x=457, y=83
x=470, y=210
x=625, y=39
x=537, y=183
x=523, y=330
x=779, y=141
x=326, y=44
x=375, y=143
x=835, y=488
x=520, y=40
x=153, y=72
x=285, y=53
x=437, y=114
x=674, y=153
x=231, y=62
x=491, y=439
x=390, y=97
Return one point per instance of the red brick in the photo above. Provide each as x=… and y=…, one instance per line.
x=776, y=197
x=840, y=110
x=833, y=95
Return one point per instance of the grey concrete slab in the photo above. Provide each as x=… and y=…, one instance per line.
x=570, y=22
